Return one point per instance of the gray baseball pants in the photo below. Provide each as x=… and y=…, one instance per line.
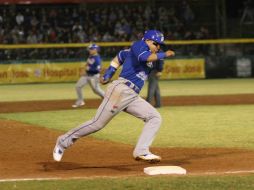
x=93, y=81
x=119, y=97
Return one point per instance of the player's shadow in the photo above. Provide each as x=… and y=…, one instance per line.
x=187, y=159
x=183, y=160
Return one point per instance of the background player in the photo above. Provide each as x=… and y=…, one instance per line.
x=153, y=92
x=123, y=94
x=90, y=75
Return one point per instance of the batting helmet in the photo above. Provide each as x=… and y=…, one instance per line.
x=154, y=35
x=93, y=46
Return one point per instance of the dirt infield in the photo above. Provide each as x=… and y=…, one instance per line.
x=30, y=106
x=26, y=151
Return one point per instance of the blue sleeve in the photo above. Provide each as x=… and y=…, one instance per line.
x=122, y=55
x=141, y=51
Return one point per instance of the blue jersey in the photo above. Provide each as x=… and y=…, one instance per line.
x=135, y=66
x=122, y=55
x=93, y=64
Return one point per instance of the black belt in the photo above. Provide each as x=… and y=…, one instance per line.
x=91, y=74
x=132, y=86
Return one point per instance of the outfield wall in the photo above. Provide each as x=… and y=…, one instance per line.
x=70, y=71
x=181, y=68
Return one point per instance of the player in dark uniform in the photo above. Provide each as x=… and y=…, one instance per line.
x=123, y=95
x=153, y=92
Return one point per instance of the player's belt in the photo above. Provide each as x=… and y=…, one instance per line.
x=91, y=73
x=132, y=86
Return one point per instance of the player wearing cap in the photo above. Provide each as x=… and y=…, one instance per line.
x=90, y=75
x=123, y=95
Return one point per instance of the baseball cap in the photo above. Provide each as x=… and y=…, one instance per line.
x=154, y=35
x=93, y=46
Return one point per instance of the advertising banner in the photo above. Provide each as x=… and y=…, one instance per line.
x=70, y=71
x=40, y=72
x=183, y=69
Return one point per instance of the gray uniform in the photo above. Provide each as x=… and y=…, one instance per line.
x=93, y=67
x=93, y=81
x=123, y=95
x=119, y=97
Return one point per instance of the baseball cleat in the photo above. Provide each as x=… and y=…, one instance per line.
x=78, y=105
x=58, y=153
x=151, y=158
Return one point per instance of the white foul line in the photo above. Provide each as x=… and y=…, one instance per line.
x=225, y=172
x=238, y=172
x=73, y=178
x=60, y=178
x=29, y=179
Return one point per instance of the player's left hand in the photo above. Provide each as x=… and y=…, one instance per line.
x=103, y=81
x=170, y=53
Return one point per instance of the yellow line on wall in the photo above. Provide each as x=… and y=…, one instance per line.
x=110, y=44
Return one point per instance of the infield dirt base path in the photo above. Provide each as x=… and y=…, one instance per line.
x=26, y=151
x=30, y=106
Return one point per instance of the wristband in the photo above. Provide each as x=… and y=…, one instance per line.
x=109, y=73
x=161, y=55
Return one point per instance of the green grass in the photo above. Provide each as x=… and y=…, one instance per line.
x=187, y=126
x=54, y=91
x=183, y=126
x=207, y=87
x=140, y=183
x=57, y=91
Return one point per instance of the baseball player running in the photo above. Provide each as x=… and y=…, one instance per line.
x=123, y=95
x=91, y=75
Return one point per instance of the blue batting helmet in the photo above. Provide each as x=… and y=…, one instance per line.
x=154, y=35
x=93, y=46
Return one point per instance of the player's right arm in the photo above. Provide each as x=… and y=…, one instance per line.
x=151, y=57
x=161, y=55
x=114, y=65
x=144, y=54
